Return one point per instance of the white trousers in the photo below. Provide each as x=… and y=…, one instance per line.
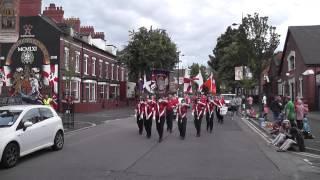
x=279, y=139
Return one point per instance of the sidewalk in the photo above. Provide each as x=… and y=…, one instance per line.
x=312, y=145
x=86, y=120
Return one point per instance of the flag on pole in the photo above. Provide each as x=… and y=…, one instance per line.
x=211, y=84
x=199, y=80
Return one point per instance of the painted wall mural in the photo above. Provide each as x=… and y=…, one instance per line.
x=28, y=71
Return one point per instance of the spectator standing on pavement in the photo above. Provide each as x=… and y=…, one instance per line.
x=276, y=108
x=238, y=103
x=250, y=102
x=219, y=104
x=301, y=111
x=289, y=112
x=47, y=100
x=182, y=118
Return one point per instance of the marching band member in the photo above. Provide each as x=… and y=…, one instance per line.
x=161, y=116
x=219, y=101
x=198, y=112
x=150, y=115
x=140, y=114
x=169, y=113
x=182, y=118
x=209, y=114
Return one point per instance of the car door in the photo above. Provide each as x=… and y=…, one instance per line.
x=31, y=137
x=49, y=124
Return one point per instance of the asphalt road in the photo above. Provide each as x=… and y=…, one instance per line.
x=114, y=150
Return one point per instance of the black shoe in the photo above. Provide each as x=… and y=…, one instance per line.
x=211, y=131
x=170, y=131
x=160, y=140
x=198, y=135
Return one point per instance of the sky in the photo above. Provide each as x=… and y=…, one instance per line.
x=194, y=25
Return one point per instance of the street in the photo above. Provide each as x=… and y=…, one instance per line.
x=114, y=150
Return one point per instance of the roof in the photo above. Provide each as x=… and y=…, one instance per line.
x=307, y=39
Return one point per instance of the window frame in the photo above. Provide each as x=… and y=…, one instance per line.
x=66, y=58
x=93, y=68
x=77, y=62
x=85, y=61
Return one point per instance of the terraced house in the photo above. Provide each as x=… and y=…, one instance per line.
x=46, y=53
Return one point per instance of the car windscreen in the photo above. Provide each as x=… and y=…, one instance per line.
x=8, y=117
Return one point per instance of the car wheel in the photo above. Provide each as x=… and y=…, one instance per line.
x=58, y=141
x=10, y=155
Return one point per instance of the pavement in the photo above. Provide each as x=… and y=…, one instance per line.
x=312, y=145
x=113, y=150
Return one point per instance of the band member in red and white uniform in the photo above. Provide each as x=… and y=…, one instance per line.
x=219, y=102
x=210, y=113
x=182, y=118
x=198, y=112
x=169, y=112
x=161, y=116
x=150, y=115
x=140, y=114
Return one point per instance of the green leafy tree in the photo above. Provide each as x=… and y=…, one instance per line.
x=263, y=41
x=148, y=49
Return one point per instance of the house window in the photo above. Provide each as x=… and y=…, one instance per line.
x=122, y=74
x=85, y=66
x=93, y=92
x=112, y=71
x=117, y=73
x=107, y=70
x=100, y=68
x=93, y=66
x=101, y=91
x=291, y=61
x=77, y=63
x=66, y=58
x=72, y=88
x=87, y=87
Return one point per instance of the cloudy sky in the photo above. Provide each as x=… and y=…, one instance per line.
x=194, y=25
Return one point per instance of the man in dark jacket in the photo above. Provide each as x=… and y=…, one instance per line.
x=276, y=107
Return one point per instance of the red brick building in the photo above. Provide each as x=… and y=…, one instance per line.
x=57, y=56
x=299, y=73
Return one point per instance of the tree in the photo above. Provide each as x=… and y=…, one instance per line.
x=263, y=41
x=148, y=49
x=251, y=44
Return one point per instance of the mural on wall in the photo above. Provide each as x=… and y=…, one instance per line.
x=28, y=71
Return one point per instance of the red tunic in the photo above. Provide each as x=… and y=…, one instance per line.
x=142, y=109
x=210, y=107
x=162, y=106
x=170, y=105
x=151, y=106
x=182, y=110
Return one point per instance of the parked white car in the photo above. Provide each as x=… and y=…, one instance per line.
x=28, y=128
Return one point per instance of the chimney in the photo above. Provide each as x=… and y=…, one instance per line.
x=86, y=30
x=55, y=13
x=99, y=35
x=30, y=7
x=74, y=23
